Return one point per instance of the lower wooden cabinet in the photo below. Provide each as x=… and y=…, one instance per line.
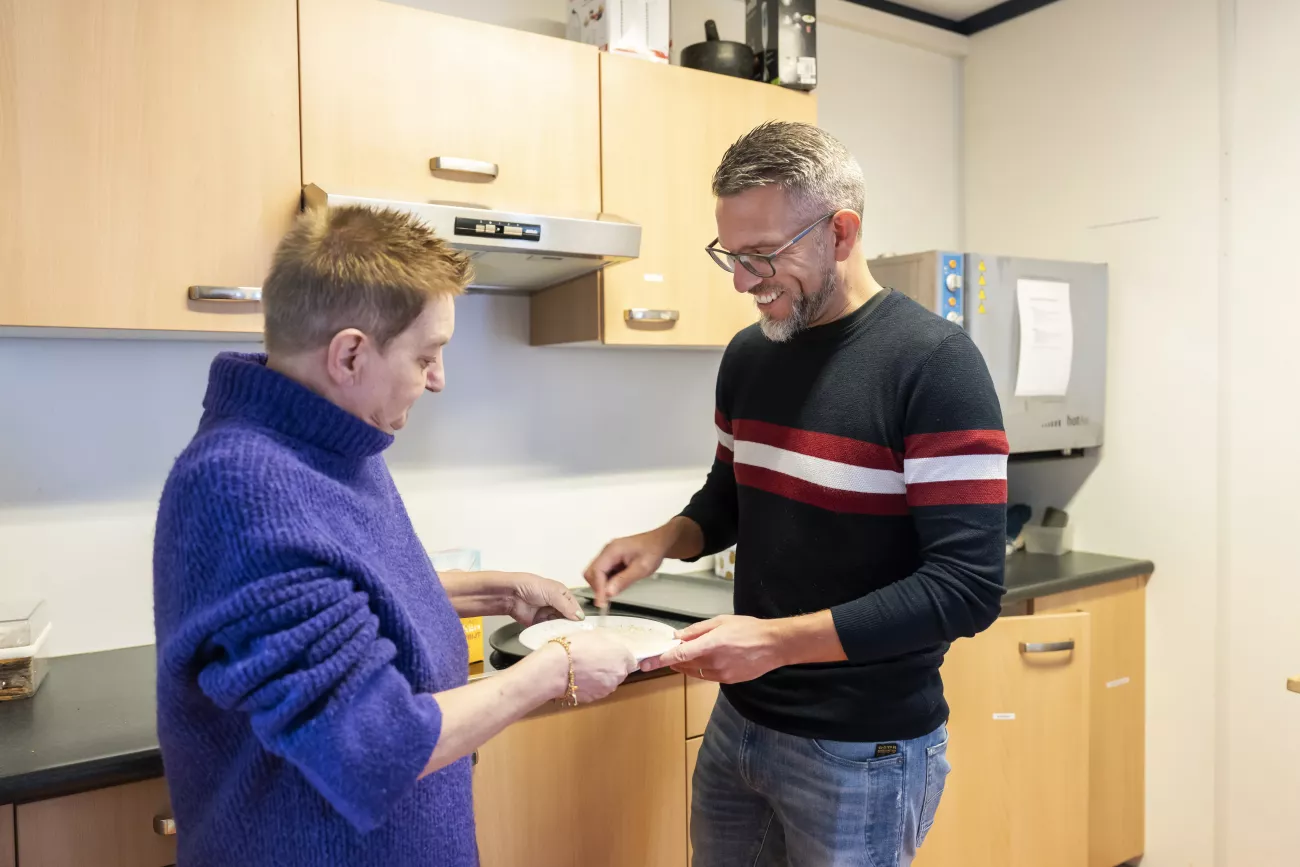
x=1018, y=743
x=692, y=755
x=700, y=698
x=112, y=827
x=603, y=784
x=1117, y=725
x=7, y=853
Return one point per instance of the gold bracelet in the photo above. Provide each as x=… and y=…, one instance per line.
x=570, y=697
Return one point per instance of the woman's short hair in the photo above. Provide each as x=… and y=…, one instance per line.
x=355, y=267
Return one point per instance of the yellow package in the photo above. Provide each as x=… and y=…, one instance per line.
x=474, y=637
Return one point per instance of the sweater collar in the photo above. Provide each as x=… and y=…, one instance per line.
x=241, y=386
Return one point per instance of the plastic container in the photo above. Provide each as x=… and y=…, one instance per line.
x=463, y=560
x=24, y=630
x=1048, y=540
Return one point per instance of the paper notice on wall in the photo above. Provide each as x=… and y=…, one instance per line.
x=1046, y=338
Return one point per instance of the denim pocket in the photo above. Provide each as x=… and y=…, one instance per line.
x=874, y=787
x=937, y=769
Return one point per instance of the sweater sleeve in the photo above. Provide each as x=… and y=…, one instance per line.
x=714, y=507
x=301, y=655
x=275, y=630
x=955, y=472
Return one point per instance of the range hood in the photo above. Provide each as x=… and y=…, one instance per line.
x=513, y=252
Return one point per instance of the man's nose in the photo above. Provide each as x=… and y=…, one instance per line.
x=743, y=280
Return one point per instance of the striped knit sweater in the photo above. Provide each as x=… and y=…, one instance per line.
x=861, y=467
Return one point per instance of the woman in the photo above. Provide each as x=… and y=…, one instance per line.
x=312, y=697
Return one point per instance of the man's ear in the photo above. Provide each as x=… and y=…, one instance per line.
x=345, y=358
x=846, y=225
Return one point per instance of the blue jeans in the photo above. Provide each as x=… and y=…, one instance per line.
x=763, y=799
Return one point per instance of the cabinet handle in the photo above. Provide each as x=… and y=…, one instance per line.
x=464, y=166
x=474, y=760
x=641, y=314
x=1046, y=647
x=164, y=826
x=225, y=293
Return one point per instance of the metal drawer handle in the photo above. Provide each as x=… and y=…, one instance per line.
x=1046, y=647
x=464, y=166
x=641, y=314
x=164, y=826
x=225, y=293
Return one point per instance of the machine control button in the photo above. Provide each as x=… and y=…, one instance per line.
x=952, y=302
x=954, y=282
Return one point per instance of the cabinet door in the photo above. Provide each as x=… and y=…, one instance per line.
x=1117, y=803
x=144, y=147
x=1018, y=792
x=692, y=756
x=111, y=827
x=386, y=88
x=600, y=784
x=701, y=695
x=663, y=131
x=7, y=852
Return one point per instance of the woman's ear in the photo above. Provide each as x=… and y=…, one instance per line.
x=345, y=358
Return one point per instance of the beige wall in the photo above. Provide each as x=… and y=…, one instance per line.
x=1092, y=133
x=1259, y=735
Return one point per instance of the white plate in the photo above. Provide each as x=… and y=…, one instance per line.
x=644, y=637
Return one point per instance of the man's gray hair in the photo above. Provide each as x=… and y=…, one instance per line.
x=809, y=163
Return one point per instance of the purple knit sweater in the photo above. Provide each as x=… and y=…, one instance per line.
x=301, y=631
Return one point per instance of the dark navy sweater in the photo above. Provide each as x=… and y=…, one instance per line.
x=301, y=633
x=861, y=467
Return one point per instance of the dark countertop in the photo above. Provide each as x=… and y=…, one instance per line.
x=1034, y=575
x=91, y=724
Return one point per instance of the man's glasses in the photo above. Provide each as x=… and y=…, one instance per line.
x=758, y=264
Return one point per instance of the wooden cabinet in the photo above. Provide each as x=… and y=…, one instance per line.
x=7, y=850
x=602, y=784
x=1117, y=728
x=1018, y=743
x=663, y=131
x=692, y=756
x=386, y=88
x=111, y=827
x=144, y=148
x=700, y=698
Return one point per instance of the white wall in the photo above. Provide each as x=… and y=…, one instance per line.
x=1092, y=132
x=521, y=457
x=1259, y=787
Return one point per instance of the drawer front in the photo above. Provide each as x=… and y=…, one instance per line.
x=112, y=827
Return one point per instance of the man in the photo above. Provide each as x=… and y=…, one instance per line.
x=312, y=697
x=861, y=472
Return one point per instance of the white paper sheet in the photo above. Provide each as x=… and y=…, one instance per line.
x=1046, y=338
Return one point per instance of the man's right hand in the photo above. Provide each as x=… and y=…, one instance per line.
x=625, y=561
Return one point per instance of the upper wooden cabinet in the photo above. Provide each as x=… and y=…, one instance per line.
x=663, y=131
x=144, y=147
x=387, y=88
x=1018, y=743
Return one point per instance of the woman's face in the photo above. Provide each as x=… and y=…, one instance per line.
x=392, y=379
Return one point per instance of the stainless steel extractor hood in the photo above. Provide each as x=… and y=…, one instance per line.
x=513, y=252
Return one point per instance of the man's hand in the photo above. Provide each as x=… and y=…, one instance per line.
x=625, y=561
x=733, y=649
x=726, y=649
x=527, y=598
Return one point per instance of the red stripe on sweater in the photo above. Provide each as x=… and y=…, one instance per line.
x=819, y=445
x=969, y=492
x=721, y=421
x=724, y=454
x=957, y=442
x=848, y=502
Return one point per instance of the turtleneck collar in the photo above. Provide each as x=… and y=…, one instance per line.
x=240, y=385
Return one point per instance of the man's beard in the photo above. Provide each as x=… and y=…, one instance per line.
x=804, y=309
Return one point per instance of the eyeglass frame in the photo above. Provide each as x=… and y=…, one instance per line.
x=743, y=258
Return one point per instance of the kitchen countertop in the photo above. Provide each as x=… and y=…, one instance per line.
x=91, y=724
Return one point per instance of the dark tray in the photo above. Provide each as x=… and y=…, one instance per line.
x=693, y=597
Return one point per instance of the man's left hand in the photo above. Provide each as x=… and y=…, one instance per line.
x=726, y=649
x=534, y=599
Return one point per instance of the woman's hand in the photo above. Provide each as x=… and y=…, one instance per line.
x=534, y=599
x=527, y=598
x=600, y=664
